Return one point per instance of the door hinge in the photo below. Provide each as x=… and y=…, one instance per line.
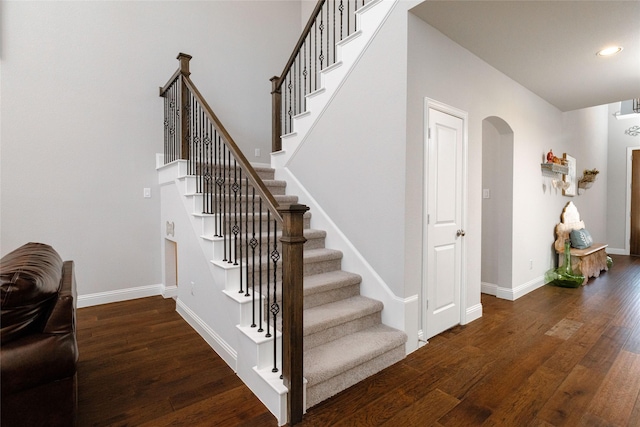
x=428, y=219
x=429, y=133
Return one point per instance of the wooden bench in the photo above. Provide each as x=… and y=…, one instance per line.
x=587, y=262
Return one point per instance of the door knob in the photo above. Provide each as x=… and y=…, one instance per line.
x=460, y=233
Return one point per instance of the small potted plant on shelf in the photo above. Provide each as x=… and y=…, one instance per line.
x=590, y=175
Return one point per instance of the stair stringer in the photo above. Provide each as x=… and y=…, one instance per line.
x=205, y=297
x=370, y=19
x=399, y=313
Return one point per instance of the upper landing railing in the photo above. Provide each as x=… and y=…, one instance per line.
x=247, y=218
x=330, y=22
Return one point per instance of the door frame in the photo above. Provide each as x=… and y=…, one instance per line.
x=627, y=225
x=464, y=116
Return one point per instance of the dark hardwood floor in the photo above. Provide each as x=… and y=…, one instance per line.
x=555, y=357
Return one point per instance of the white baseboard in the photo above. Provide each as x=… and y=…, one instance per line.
x=99, y=298
x=473, y=313
x=616, y=251
x=215, y=341
x=170, y=291
x=509, y=293
x=512, y=294
x=489, y=288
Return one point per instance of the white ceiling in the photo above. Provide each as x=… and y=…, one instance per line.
x=550, y=46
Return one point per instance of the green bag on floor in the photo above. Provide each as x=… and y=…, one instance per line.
x=563, y=276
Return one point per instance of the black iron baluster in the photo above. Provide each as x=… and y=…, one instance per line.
x=328, y=38
x=165, y=129
x=304, y=73
x=196, y=137
x=216, y=193
x=321, y=57
x=275, y=309
x=290, y=112
x=294, y=76
x=208, y=159
x=227, y=208
x=253, y=244
x=235, y=213
x=268, y=335
x=218, y=188
x=315, y=54
x=172, y=124
x=334, y=32
x=178, y=105
x=355, y=9
x=239, y=247
x=188, y=134
x=341, y=9
x=246, y=233
x=223, y=193
x=260, y=265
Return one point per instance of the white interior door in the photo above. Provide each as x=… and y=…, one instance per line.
x=444, y=222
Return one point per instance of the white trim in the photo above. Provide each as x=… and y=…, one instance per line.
x=215, y=341
x=464, y=116
x=627, y=225
x=616, y=251
x=513, y=294
x=489, y=288
x=473, y=313
x=99, y=298
x=170, y=291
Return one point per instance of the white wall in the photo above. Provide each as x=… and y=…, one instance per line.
x=82, y=120
x=616, y=184
x=352, y=161
x=587, y=133
x=444, y=71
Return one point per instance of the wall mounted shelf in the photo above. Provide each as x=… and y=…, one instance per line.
x=555, y=168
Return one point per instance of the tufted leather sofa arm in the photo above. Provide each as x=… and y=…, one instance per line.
x=38, y=369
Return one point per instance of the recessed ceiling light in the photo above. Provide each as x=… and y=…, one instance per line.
x=610, y=51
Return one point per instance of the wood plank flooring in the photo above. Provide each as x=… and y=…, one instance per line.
x=555, y=357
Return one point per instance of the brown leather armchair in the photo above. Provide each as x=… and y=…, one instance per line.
x=39, y=351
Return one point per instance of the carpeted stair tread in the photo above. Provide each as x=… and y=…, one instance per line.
x=264, y=172
x=311, y=258
x=329, y=281
x=321, y=254
x=285, y=199
x=274, y=183
x=328, y=360
x=338, y=313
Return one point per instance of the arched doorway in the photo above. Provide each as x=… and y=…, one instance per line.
x=497, y=206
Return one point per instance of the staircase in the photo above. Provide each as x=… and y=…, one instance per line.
x=344, y=338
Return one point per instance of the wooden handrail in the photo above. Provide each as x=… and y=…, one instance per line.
x=246, y=167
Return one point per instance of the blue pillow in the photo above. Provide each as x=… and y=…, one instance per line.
x=581, y=239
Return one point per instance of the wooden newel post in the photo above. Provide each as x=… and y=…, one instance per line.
x=276, y=115
x=292, y=300
x=184, y=103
